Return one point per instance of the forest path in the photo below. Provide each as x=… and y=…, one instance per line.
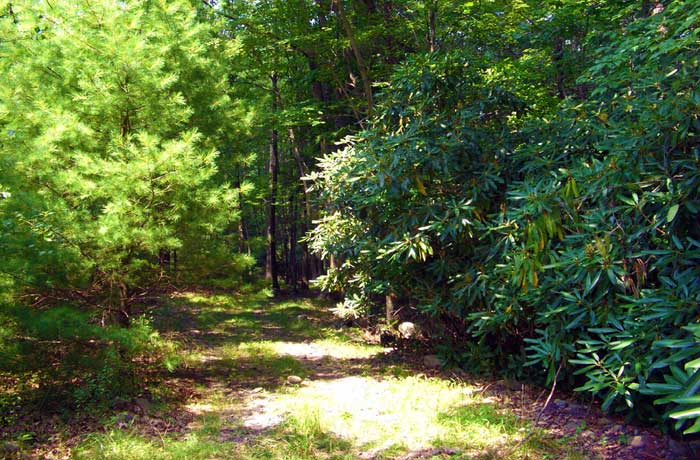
x=265, y=378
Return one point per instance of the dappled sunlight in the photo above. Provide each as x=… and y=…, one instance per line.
x=199, y=408
x=347, y=389
x=328, y=348
x=307, y=391
x=413, y=413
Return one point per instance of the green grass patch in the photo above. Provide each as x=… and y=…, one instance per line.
x=125, y=445
x=352, y=402
x=402, y=412
x=261, y=358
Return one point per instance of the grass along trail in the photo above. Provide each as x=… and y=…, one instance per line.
x=273, y=379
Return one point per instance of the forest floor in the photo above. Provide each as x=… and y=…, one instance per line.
x=273, y=379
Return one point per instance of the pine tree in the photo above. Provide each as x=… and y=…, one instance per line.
x=110, y=114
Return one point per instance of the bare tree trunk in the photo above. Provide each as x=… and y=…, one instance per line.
x=557, y=57
x=124, y=305
x=273, y=170
x=305, y=211
x=361, y=65
x=390, y=307
x=432, y=25
x=293, y=268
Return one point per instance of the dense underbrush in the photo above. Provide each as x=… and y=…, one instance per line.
x=557, y=240
x=59, y=360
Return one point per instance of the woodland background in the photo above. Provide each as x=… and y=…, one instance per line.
x=521, y=178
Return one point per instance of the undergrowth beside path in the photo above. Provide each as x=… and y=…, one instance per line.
x=273, y=379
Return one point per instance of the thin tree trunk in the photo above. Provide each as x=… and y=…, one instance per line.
x=557, y=57
x=273, y=169
x=124, y=305
x=432, y=25
x=361, y=65
x=305, y=211
x=293, y=268
x=390, y=307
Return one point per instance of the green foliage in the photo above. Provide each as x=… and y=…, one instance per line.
x=110, y=114
x=607, y=219
x=557, y=217
x=406, y=186
x=69, y=359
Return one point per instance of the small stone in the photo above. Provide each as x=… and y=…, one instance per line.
x=514, y=385
x=144, y=405
x=407, y=330
x=559, y=403
x=256, y=390
x=571, y=426
x=616, y=428
x=294, y=380
x=432, y=361
x=637, y=441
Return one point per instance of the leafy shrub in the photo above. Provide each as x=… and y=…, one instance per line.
x=570, y=238
x=604, y=226
x=77, y=361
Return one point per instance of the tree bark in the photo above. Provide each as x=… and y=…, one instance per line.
x=361, y=65
x=390, y=307
x=432, y=25
x=293, y=267
x=557, y=57
x=273, y=170
x=124, y=305
x=305, y=211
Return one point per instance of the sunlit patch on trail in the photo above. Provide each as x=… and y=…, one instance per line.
x=275, y=380
x=328, y=349
x=411, y=413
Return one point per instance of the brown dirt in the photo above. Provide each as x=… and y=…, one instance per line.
x=596, y=435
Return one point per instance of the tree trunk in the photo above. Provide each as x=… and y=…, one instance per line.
x=293, y=268
x=164, y=261
x=273, y=169
x=361, y=65
x=432, y=25
x=390, y=307
x=305, y=211
x=124, y=305
x=557, y=57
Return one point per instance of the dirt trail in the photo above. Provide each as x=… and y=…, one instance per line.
x=294, y=338
x=274, y=379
